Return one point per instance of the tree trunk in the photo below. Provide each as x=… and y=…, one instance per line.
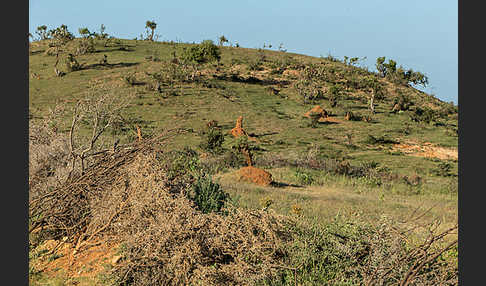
x=372, y=105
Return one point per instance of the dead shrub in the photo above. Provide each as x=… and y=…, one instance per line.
x=48, y=159
x=127, y=195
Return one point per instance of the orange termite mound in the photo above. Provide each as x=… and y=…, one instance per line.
x=255, y=175
x=238, y=130
x=319, y=110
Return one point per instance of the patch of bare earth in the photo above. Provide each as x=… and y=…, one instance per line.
x=427, y=150
x=332, y=119
x=292, y=73
x=86, y=263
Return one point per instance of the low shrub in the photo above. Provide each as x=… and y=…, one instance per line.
x=201, y=53
x=130, y=79
x=72, y=64
x=308, y=86
x=207, y=195
x=255, y=65
x=443, y=169
x=181, y=166
x=425, y=115
x=233, y=159
x=379, y=140
x=314, y=119
x=353, y=252
x=303, y=177
x=213, y=137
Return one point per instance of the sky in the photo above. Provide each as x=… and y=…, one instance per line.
x=421, y=35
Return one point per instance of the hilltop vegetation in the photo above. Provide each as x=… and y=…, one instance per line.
x=133, y=142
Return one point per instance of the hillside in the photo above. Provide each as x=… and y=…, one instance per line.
x=351, y=162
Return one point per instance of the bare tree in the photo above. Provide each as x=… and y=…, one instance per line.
x=96, y=113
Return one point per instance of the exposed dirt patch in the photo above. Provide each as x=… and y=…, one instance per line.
x=292, y=73
x=332, y=119
x=238, y=68
x=427, y=150
x=87, y=263
x=255, y=175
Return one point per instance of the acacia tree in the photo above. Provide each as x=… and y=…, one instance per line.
x=42, y=32
x=398, y=74
x=60, y=35
x=222, y=40
x=151, y=25
x=380, y=66
x=200, y=54
x=84, y=32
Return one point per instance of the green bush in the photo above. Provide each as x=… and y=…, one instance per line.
x=208, y=195
x=233, y=159
x=60, y=35
x=443, y=169
x=130, y=79
x=380, y=66
x=351, y=252
x=399, y=75
x=86, y=46
x=213, y=137
x=335, y=92
x=72, y=64
x=416, y=78
x=403, y=101
x=308, y=90
x=314, y=119
x=309, y=84
x=425, y=114
x=353, y=116
x=181, y=163
x=379, y=140
x=304, y=178
x=202, y=53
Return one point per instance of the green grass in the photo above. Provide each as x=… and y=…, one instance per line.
x=330, y=195
x=278, y=122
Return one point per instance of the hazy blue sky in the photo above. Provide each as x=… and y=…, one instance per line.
x=421, y=35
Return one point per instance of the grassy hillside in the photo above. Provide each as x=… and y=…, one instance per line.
x=387, y=165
